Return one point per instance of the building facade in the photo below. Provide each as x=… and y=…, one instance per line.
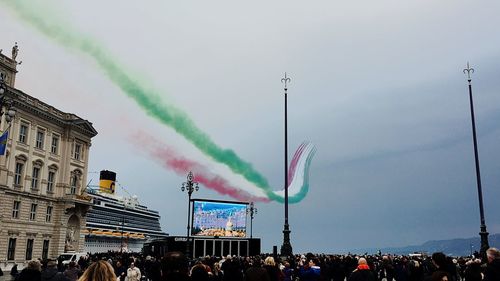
x=43, y=174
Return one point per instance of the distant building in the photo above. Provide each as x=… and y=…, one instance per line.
x=43, y=174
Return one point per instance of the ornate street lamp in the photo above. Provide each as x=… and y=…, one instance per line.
x=252, y=211
x=286, y=248
x=10, y=111
x=3, y=88
x=483, y=233
x=189, y=186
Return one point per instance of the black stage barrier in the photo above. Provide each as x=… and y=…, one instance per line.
x=204, y=246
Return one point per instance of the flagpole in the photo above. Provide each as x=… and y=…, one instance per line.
x=483, y=232
x=286, y=248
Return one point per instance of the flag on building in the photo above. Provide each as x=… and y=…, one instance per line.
x=3, y=142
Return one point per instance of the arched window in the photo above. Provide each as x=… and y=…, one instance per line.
x=74, y=182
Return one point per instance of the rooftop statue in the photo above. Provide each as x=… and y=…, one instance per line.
x=15, y=51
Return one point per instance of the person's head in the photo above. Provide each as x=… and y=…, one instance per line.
x=269, y=261
x=362, y=261
x=118, y=263
x=216, y=267
x=492, y=254
x=174, y=262
x=313, y=262
x=72, y=264
x=199, y=272
x=257, y=261
x=132, y=265
x=439, y=260
x=35, y=265
x=99, y=271
x=51, y=264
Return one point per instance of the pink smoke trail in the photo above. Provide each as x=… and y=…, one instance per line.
x=293, y=164
x=179, y=164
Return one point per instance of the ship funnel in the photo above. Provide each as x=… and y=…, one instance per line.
x=107, y=182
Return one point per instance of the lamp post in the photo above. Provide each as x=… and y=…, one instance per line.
x=483, y=233
x=252, y=211
x=189, y=186
x=3, y=88
x=5, y=102
x=286, y=248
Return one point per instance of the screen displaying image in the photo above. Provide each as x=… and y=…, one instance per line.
x=222, y=219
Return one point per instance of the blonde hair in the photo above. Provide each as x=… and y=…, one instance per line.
x=493, y=253
x=362, y=261
x=99, y=271
x=269, y=261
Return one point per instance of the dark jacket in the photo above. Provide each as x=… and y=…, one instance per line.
x=273, y=272
x=176, y=276
x=255, y=273
x=492, y=272
x=51, y=274
x=29, y=274
x=232, y=271
x=288, y=274
x=362, y=275
x=121, y=272
x=14, y=271
x=72, y=273
x=473, y=272
x=386, y=270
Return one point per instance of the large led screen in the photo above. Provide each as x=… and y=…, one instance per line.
x=219, y=218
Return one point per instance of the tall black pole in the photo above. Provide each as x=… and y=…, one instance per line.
x=251, y=227
x=286, y=248
x=187, y=233
x=483, y=233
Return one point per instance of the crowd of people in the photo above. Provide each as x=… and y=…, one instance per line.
x=174, y=266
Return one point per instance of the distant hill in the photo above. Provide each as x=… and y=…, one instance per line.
x=452, y=247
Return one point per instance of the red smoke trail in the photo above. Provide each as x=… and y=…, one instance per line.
x=180, y=165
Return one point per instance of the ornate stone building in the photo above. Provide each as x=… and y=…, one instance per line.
x=43, y=175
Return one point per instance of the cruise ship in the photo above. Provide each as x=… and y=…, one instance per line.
x=118, y=223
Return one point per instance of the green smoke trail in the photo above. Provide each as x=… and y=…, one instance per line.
x=147, y=99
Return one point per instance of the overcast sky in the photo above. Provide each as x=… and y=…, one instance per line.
x=377, y=86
